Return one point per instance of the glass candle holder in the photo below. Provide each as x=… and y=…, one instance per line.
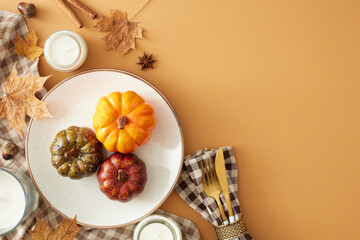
x=157, y=227
x=18, y=198
x=65, y=51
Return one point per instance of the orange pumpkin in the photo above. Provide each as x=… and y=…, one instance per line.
x=123, y=121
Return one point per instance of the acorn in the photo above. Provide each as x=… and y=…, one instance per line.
x=27, y=9
x=9, y=151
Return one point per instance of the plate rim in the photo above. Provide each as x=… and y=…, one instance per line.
x=161, y=95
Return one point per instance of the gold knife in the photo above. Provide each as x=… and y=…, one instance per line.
x=221, y=173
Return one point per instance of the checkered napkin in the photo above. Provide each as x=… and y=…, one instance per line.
x=10, y=25
x=190, y=188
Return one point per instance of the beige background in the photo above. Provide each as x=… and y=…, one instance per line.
x=278, y=80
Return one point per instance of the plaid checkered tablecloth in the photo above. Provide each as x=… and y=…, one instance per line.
x=190, y=188
x=10, y=25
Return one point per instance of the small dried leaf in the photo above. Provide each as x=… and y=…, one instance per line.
x=27, y=47
x=41, y=231
x=67, y=230
x=20, y=100
x=122, y=32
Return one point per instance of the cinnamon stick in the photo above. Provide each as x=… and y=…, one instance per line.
x=83, y=8
x=69, y=12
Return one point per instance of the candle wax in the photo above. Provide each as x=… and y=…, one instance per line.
x=156, y=231
x=12, y=201
x=64, y=50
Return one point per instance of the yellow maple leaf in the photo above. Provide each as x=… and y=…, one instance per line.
x=67, y=230
x=19, y=100
x=27, y=47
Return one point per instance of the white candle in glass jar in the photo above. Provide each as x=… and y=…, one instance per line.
x=157, y=227
x=65, y=51
x=12, y=201
x=156, y=231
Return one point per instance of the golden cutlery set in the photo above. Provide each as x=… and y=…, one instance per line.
x=214, y=180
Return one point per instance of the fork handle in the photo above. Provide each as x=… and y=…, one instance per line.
x=217, y=199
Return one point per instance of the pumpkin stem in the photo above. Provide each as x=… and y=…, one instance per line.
x=73, y=153
x=122, y=176
x=122, y=122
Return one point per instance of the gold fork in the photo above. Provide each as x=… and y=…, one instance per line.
x=211, y=184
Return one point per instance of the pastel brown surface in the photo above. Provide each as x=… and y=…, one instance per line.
x=280, y=78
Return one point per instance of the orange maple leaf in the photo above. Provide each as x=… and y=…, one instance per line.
x=67, y=230
x=27, y=47
x=122, y=32
x=19, y=100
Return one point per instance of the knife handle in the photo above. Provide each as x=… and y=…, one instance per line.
x=217, y=199
x=229, y=206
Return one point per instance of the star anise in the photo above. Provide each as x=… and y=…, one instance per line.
x=146, y=61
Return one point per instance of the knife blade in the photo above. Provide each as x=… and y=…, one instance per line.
x=221, y=173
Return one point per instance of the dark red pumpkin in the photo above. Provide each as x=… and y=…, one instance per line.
x=122, y=176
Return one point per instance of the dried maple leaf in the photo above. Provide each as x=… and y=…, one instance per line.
x=67, y=230
x=41, y=230
x=122, y=32
x=19, y=100
x=27, y=47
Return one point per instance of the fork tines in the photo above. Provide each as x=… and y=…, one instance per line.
x=209, y=174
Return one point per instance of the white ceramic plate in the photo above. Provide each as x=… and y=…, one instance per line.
x=73, y=102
